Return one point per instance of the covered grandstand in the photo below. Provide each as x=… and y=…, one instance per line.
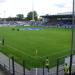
x=58, y=19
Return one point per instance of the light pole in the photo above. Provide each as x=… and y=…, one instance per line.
x=33, y=10
x=4, y=16
x=72, y=43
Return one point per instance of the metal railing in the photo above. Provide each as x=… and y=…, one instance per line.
x=12, y=68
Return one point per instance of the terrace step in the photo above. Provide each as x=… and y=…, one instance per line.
x=52, y=71
x=4, y=61
x=2, y=72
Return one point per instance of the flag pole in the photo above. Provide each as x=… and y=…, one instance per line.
x=72, y=42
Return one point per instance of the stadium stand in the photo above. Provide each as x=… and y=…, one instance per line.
x=60, y=19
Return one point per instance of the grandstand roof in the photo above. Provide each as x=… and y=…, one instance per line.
x=65, y=14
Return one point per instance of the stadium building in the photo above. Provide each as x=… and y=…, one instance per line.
x=60, y=19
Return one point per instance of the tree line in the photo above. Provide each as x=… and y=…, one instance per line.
x=20, y=17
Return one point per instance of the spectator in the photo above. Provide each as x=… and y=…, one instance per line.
x=66, y=69
x=47, y=63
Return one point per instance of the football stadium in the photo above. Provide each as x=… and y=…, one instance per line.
x=34, y=43
x=38, y=47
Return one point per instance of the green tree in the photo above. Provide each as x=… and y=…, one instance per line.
x=20, y=16
x=30, y=15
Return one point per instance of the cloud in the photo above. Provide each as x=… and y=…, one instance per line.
x=59, y=5
x=13, y=7
x=2, y=1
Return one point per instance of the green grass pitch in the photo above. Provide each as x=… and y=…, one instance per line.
x=51, y=42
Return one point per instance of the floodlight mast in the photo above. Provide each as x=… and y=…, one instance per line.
x=72, y=43
x=4, y=16
x=33, y=10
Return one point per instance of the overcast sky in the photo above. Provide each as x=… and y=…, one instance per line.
x=13, y=7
